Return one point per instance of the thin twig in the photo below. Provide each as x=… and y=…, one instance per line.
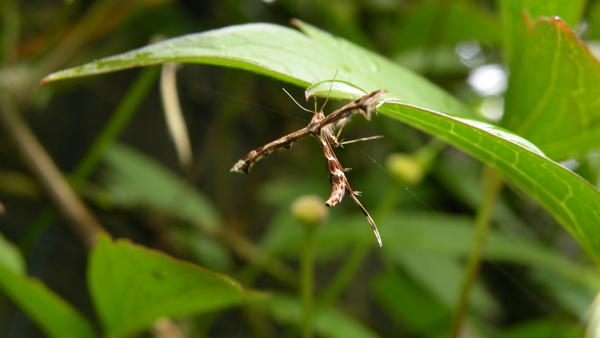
x=82, y=222
x=493, y=185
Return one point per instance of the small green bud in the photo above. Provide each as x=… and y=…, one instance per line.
x=309, y=210
x=405, y=168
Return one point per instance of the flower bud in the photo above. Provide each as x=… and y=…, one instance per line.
x=309, y=210
x=405, y=168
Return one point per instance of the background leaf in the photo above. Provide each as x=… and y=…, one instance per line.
x=513, y=11
x=532, y=268
x=51, y=313
x=421, y=312
x=450, y=23
x=10, y=256
x=552, y=92
x=146, y=183
x=133, y=286
x=270, y=50
x=135, y=180
x=328, y=322
x=571, y=200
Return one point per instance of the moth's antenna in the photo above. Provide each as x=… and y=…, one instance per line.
x=326, y=100
x=291, y=97
x=330, y=88
x=362, y=139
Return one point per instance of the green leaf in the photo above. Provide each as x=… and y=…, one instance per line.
x=429, y=24
x=54, y=316
x=513, y=11
x=285, y=54
x=419, y=232
x=441, y=276
x=328, y=322
x=132, y=287
x=135, y=179
x=10, y=256
x=139, y=180
x=429, y=247
x=570, y=199
x=568, y=11
x=545, y=327
x=593, y=22
x=452, y=236
x=553, y=89
x=289, y=55
x=570, y=296
x=418, y=310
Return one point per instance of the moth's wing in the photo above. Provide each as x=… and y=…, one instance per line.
x=364, y=105
x=245, y=164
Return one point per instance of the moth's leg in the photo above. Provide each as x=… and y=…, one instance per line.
x=342, y=124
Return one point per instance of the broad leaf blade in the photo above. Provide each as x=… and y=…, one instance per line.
x=285, y=54
x=419, y=311
x=328, y=321
x=553, y=90
x=543, y=327
x=147, y=183
x=133, y=286
x=52, y=314
x=134, y=179
x=513, y=11
x=569, y=11
x=431, y=23
x=569, y=198
x=10, y=256
x=453, y=237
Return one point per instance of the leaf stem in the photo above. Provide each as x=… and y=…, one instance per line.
x=119, y=120
x=345, y=273
x=40, y=164
x=493, y=184
x=121, y=117
x=359, y=252
x=11, y=18
x=307, y=279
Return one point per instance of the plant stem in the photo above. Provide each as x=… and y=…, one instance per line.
x=260, y=260
x=84, y=30
x=307, y=279
x=35, y=157
x=359, y=251
x=119, y=120
x=345, y=273
x=493, y=183
x=10, y=36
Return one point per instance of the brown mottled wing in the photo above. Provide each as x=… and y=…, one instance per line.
x=247, y=162
x=322, y=127
x=364, y=105
x=339, y=182
x=337, y=176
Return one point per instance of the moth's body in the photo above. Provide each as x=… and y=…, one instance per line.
x=323, y=128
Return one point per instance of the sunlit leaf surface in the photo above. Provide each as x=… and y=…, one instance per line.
x=552, y=97
x=52, y=314
x=289, y=55
x=133, y=286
